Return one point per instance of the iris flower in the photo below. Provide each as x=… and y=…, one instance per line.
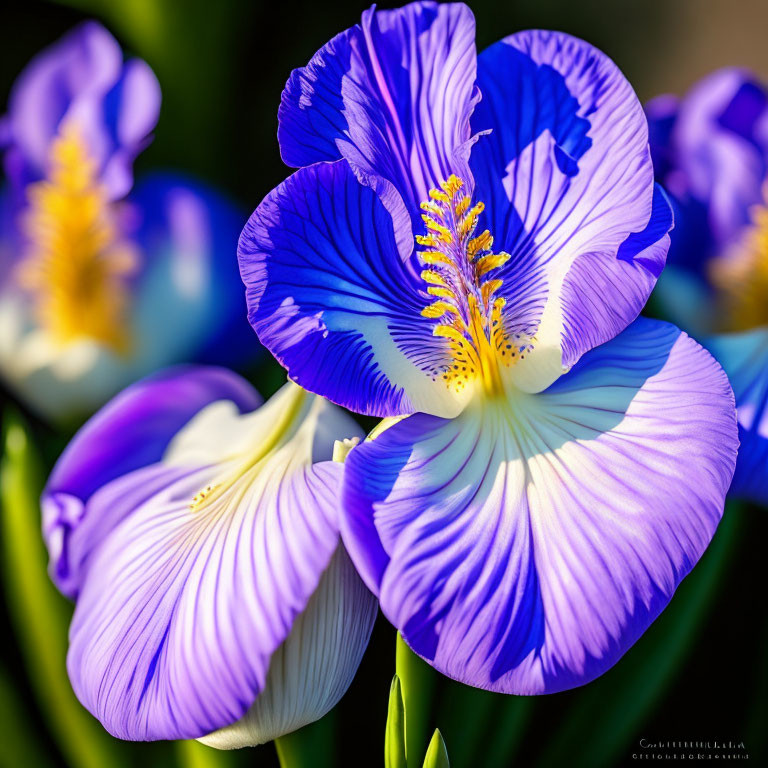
x=467, y=244
x=711, y=151
x=102, y=282
x=198, y=532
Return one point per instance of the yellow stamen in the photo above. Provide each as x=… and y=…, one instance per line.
x=434, y=257
x=438, y=309
x=462, y=205
x=443, y=233
x=469, y=222
x=452, y=185
x=432, y=208
x=493, y=260
x=430, y=276
x=469, y=316
x=482, y=242
x=441, y=197
x=740, y=276
x=76, y=266
x=488, y=288
x=445, y=293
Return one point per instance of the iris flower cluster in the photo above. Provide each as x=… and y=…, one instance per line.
x=463, y=250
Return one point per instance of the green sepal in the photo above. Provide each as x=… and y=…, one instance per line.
x=437, y=754
x=394, y=736
x=418, y=681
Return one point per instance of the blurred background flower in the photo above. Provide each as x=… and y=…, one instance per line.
x=103, y=281
x=222, y=72
x=710, y=150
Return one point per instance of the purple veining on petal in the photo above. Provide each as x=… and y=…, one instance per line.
x=567, y=178
x=330, y=296
x=130, y=432
x=523, y=547
x=183, y=605
x=392, y=95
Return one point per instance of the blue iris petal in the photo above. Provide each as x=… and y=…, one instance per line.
x=542, y=102
x=333, y=297
x=661, y=222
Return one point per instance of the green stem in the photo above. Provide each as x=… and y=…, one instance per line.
x=313, y=746
x=418, y=681
x=193, y=754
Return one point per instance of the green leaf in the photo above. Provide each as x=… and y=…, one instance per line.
x=507, y=728
x=437, y=754
x=313, y=746
x=20, y=741
x=394, y=736
x=605, y=715
x=418, y=681
x=483, y=723
x=39, y=614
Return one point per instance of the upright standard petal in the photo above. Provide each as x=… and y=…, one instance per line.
x=392, y=95
x=337, y=300
x=130, y=432
x=82, y=81
x=565, y=171
x=192, y=593
x=744, y=357
x=524, y=546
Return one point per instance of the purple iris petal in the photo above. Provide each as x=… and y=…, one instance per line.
x=173, y=635
x=744, y=357
x=392, y=95
x=81, y=79
x=131, y=432
x=565, y=171
x=598, y=299
x=313, y=668
x=524, y=546
x=332, y=296
x=201, y=566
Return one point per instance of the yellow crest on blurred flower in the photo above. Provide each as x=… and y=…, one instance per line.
x=76, y=265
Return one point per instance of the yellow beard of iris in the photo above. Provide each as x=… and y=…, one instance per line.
x=741, y=276
x=469, y=314
x=76, y=267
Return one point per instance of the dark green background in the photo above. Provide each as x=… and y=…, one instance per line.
x=701, y=672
